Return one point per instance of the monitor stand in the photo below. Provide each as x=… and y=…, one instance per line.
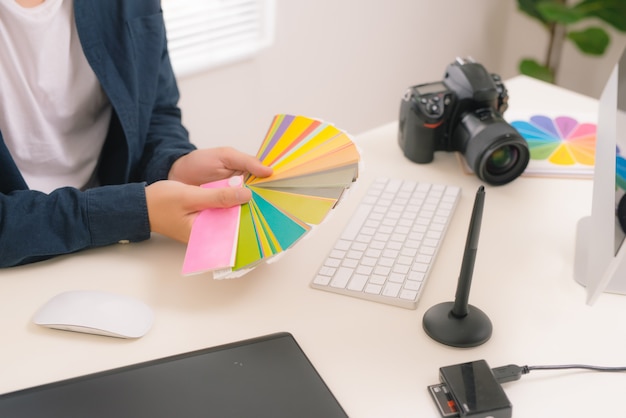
x=581, y=261
x=581, y=252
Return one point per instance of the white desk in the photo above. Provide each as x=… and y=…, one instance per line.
x=375, y=358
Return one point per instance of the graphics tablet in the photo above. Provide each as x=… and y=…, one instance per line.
x=268, y=376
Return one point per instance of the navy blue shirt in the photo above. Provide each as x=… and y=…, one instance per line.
x=125, y=44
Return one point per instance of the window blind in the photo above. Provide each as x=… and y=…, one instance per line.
x=204, y=34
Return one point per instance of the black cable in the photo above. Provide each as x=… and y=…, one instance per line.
x=514, y=372
x=579, y=366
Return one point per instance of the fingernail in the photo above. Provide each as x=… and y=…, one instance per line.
x=235, y=181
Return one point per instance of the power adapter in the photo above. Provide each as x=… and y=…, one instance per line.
x=470, y=390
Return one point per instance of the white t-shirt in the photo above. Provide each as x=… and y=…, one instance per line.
x=54, y=115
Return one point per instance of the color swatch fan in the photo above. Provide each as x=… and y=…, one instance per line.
x=313, y=163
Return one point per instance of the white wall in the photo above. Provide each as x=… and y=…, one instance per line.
x=349, y=62
x=585, y=74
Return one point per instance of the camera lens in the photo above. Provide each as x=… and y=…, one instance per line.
x=492, y=148
x=502, y=160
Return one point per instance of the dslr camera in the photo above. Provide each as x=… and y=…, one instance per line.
x=463, y=113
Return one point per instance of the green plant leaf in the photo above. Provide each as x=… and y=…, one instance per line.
x=592, y=41
x=559, y=13
x=612, y=12
x=532, y=68
x=530, y=8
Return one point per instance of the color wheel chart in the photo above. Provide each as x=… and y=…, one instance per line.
x=314, y=163
x=561, y=145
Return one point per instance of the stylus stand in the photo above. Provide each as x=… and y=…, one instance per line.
x=443, y=326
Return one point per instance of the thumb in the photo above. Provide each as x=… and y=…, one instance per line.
x=224, y=197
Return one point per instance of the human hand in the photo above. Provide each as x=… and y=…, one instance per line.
x=206, y=165
x=173, y=206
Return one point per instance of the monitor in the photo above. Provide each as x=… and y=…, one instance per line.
x=600, y=251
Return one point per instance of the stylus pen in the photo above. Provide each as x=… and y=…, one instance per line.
x=460, y=308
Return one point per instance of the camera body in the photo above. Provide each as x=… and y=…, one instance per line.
x=463, y=113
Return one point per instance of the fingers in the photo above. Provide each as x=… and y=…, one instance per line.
x=244, y=163
x=173, y=206
x=256, y=168
x=206, y=165
x=200, y=198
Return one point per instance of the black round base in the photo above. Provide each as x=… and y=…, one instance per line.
x=469, y=331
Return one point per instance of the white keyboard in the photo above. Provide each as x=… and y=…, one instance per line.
x=386, y=251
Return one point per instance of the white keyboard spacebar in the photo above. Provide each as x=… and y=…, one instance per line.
x=358, y=218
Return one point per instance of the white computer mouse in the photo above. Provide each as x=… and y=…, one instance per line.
x=96, y=312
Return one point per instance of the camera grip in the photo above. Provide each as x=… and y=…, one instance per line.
x=416, y=141
x=418, y=132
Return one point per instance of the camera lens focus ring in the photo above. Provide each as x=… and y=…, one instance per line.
x=493, y=148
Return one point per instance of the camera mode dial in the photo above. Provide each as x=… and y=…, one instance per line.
x=503, y=96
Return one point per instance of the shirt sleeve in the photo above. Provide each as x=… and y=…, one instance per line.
x=35, y=226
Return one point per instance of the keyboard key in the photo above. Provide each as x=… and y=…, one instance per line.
x=322, y=280
x=358, y=282
x=341, y=277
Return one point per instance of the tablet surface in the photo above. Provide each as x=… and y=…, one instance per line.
x=268, y=376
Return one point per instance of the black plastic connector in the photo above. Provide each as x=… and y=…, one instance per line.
x=509, y=373
x=471, y=390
